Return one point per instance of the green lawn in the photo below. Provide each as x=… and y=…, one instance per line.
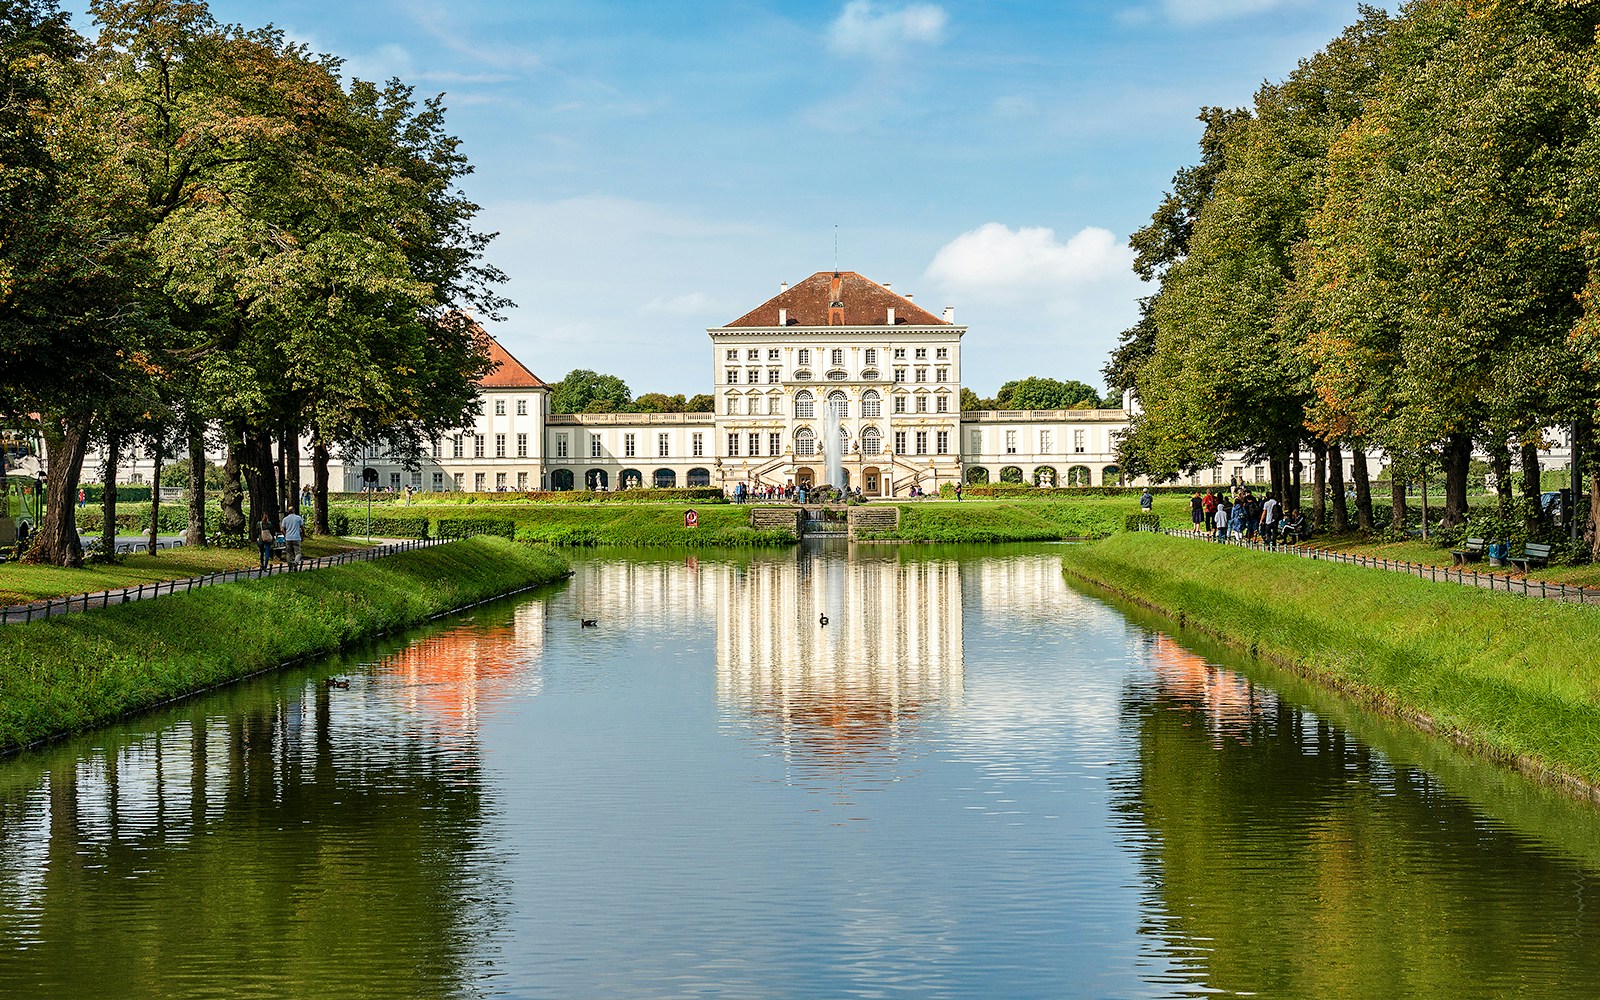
x=21, y=583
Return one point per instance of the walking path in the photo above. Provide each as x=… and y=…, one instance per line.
x=1425, y=571
x=17, y=613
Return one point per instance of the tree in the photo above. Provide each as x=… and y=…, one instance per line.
x=1035, y=393
x=582, y=390
x=702, y=402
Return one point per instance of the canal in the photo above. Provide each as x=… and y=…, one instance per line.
x=973, y=781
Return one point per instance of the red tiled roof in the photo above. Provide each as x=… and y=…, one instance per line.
x=864, y=303
x=508, y=372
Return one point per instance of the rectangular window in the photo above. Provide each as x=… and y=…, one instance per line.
x=455, y=447
x=460, y=479
x=836, y=356
x=522, y=446
x=774, y=405
x=899, y=374
x=438, y=482
x=1077, y=441
x=942, y=375
x=922, y=404
x=752, y=355
x=922, y=374
x=804, y=357
x=629, y=445
x=477, y=446
x=733, y=376
x=477, y=482
x=435, y=449
x=662, y=445
x=922, y=353
x=416, y=480
x=922, y=442
x=522, y=482
x=899, y=353
x=1258, y=474
x=899, y=404
x=1011, y=442
x=805, y=407
x=899, y=442
x=499, y=446
x=774, y=443
x=755, y=444
x=500, y=481
x=943, y=404
x=561, y=446
x=942, y=353
x=942, y=440
x=871, y=356
x=522, y=407
x=772, y=354
x=733, y=445
x=594, y=446
x=732, y=355
x=773, y=377
x=754, y=376
x=499, y=407
x=977, y=442
x=698, y=444
x=1044, y=442
x=871, y=405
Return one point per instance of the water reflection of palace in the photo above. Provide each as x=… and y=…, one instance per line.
x=892, y=646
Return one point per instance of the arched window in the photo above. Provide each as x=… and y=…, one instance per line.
x=631, y=479
x=1079, y=475
x=698, y=477
x=805, y=442
x=1045, y=475
x=805, y=407
x=561, y=479
x=1011, y=474
x=977, y=476
x=665, y=479
x=840, y=404
x=871, y=404
x=1111, y=476
x=871, y=442
x=595, y=479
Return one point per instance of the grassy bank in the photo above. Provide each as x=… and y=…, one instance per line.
x=1009, y=521
x=1511, y=676
x=74, y=672
x=632, y=525
x=21, y=583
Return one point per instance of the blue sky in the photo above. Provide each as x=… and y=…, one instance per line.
x=655, y=168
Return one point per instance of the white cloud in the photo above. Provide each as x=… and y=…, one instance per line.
x=1208, y=11
x=996, y=262
x=868, y=29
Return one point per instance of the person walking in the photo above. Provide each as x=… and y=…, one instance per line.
x=1237, y=519
x=1221, y=519
x=265, y=536
x=293, y=530
x=1146, y=500
x=1269, y=520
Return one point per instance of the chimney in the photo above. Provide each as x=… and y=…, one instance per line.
x=891, y=315
x=783, y=286
x=888, y=287
x=910, y=297
x=783, y=317
x=949, y=314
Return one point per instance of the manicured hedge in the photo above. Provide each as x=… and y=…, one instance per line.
x=465, y=527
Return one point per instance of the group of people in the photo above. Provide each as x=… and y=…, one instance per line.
x=293, y=526
x=745, y=493
x=1241, y=516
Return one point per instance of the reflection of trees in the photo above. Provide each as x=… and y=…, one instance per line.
x=1293, y=862
x=314, y=844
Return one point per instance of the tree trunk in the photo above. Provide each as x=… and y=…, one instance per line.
x=1457, y=461
x=1500, y=462
x=56, y=540
x=155, y=494
x=1398, y=472
x=1594, y=515
x=233, y=522
x=289, y=448
x=1296, y=467
x=260, y=477
x=1319, y=483
x=1532, y=513
x=196, y=535
x=319, y=487
x=1341, y=510
x=108, y=495
x=1358, y=470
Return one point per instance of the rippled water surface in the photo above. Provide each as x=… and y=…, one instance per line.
x=974, y=781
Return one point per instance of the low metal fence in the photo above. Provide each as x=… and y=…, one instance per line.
x=19, y=613
x=1424, y=571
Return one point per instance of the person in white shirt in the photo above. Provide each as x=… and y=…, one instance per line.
x=293, y=528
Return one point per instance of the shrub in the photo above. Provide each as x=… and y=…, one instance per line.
x=465, y=527
x=390, y=524
x=339, y=523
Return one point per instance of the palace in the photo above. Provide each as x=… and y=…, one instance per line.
x=836, y=361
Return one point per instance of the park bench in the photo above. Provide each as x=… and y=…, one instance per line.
x=1533, y=552
x=1474, y=550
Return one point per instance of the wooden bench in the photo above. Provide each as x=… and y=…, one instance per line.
x=1533, y=552
x=1474, y=550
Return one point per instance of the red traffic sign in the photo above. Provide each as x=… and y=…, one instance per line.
x=691, y=519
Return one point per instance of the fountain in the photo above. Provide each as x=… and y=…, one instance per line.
x=832, y=448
